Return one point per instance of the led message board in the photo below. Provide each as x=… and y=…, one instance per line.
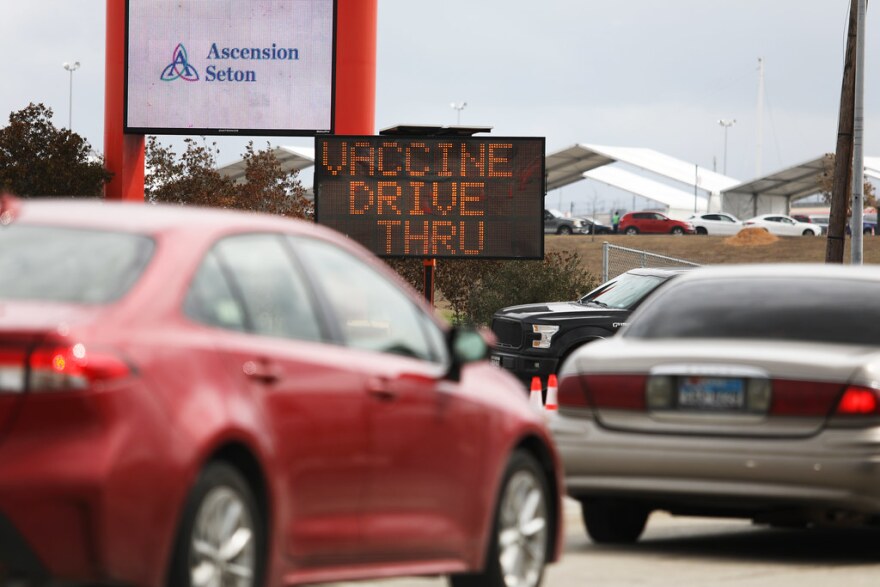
x=253, y=67
x=434, y=197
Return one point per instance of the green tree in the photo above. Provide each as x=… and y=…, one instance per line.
x=826, y=181
x=37, y=159
x=193, y=179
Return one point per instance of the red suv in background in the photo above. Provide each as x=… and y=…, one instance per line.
x=653, y=223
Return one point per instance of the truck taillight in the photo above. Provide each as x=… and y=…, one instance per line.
x=68, y=367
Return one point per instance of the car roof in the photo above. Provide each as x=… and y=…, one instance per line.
x=785, y=271
x=145, y=218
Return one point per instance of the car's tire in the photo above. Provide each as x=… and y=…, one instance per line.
x=202, y=550
x=523, y=521
x=631, y=230
x=808, y=232
x=677, y=230
x=611, y=521
x=702, y=230
x=563, y=230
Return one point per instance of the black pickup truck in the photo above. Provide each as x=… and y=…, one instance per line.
x=534, y=339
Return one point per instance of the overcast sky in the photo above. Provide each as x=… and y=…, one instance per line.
x=640, y=73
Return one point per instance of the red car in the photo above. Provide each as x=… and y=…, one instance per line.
x=653, y=223
x=202, y=397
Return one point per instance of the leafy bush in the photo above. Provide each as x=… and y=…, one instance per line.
x=559, y=277
x=476, y=288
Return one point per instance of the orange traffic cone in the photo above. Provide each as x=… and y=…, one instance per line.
x=552, y=390
x=535, y=394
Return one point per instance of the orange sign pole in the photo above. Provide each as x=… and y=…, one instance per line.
x=123, y=154
x=356, y=22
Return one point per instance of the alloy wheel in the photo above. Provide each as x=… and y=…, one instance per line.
x=223, y=548
x=522, y=531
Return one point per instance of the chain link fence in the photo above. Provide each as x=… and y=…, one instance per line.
x=617, y=260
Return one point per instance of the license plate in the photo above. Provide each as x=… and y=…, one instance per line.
x=711, y=393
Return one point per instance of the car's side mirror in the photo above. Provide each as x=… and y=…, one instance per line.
x=466, y=345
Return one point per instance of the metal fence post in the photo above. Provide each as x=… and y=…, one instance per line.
x=604, y=261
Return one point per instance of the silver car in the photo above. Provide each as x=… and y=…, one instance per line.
x=740, y=391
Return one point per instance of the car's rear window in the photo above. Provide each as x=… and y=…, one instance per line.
x=800, y=309
x=47, y=263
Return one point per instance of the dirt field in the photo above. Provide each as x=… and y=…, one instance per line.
x=709, y=249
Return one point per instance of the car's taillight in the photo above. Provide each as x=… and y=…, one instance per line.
x=11, y=371
x=858, y=401
x=611, y=391
x=570, y=393
x=55, y=368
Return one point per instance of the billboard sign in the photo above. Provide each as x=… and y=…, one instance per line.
x=448, y=196
x=251, y=67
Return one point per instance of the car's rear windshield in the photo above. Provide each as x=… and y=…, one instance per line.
x=800, y=309
x=47, y=263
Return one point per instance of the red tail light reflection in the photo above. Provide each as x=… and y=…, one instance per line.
x=73, y=367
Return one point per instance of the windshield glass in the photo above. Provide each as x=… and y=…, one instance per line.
x=622, y=292
x=801, y=309
x=69, y=265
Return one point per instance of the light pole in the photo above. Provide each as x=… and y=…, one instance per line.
x=458, y=106
x=71, y=67
x=726, y=124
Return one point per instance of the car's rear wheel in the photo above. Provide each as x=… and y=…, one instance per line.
x=220, y=540
x=564, y=230
x=677, y=230
x=809, y=232
x=631, y=230
x=611, y=521
x=520, y=539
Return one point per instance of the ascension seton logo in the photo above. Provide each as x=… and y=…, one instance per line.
x=179, y=68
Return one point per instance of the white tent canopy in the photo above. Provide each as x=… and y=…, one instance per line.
x=774, y=193
x=678, y=203
x=291, y=159
x=571, y=165
x=872, y=167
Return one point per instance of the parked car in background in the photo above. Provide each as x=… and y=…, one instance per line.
x=783, y=225
x=716, y=223
x=595, y=227
x=653, y=223
x=821, y=220
x=533, y=339
x=204, y=397
x=869, y=224
x=739, y=391
x=556, y=223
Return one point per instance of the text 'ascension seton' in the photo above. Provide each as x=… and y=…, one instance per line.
x=441, y=196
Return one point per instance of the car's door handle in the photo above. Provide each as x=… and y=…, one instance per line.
x=261, y=370
x=379, y=388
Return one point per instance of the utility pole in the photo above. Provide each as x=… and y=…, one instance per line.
x=844, y=152
x=760, y=142
x=858, y=167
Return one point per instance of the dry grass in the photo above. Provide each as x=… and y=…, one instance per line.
x=710, y=249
